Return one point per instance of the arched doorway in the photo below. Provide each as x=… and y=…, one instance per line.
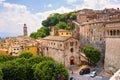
x=72, y=59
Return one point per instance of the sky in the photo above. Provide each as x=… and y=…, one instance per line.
x=14, y=13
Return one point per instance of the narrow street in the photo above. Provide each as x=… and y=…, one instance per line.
x=87, y=77
x=75, y=74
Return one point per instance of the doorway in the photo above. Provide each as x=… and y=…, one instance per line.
x=72, y=59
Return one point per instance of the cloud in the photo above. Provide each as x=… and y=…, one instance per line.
x=14, y=16
x=98, y=4
x=1, y=1
x=71, y=1
x=62, y=9
x=14, y=7
x=49, y=5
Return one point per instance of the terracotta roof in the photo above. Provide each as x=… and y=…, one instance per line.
x=57, y=38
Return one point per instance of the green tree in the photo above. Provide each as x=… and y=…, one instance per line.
x=1, y=74
x=29, y=67
x=63, y=17
x=47, y=70
x=34, y=35
x=13, y=71
x=62, y=25
x=42, y=32
x=26, y=55
x=72, y=16
x=45, y=23
x=52, y=20
x=4, y=58
x=92, y=54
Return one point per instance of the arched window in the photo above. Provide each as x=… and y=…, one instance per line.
x=111, y=32
x=71, y=49
x=114, y=32
x=118, y=32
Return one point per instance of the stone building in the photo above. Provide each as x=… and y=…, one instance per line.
x=112, y=52
x=82, y=15
x=60, y=32
x=91, y=25
x=63, y=49
x=61, y=46
x=92, y=33
x=102, y=32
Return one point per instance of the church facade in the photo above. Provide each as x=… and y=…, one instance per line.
x=63, y=49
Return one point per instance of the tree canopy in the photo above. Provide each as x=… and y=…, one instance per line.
x=42, y=32
x=92, y=54
x=55, y=19
x=29, y=67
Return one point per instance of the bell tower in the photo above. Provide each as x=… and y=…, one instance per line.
x=25, y=30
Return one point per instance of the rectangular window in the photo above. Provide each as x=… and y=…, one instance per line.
x=71, y=43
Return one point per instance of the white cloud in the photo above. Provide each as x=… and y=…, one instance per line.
x=71, y=1
x=1, y=1
x=14, y=16
x=14, y=7
x=44, y=15
x=98, y=4
x=49, y=5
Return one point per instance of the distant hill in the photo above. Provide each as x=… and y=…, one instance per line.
x=6, y=34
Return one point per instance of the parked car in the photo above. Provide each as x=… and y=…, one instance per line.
x=72, y=78
x=84, y=71
x=93, y=74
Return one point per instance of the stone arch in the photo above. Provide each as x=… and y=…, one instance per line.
x=118, y=32
x=114, y=32
x=110, y=32
x=72, y=60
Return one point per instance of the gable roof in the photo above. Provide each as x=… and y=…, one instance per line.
x=57, y=38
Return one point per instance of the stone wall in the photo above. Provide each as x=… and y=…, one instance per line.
x=92, y=34
x=112, y=54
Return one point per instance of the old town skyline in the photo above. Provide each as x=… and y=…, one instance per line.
x=16, y=13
